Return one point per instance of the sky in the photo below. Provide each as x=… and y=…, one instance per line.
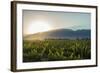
x=40, y=21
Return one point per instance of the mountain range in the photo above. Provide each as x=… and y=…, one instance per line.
x=60, y=34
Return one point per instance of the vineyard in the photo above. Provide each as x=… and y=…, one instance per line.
x=56, y=49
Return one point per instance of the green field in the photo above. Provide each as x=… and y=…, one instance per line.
x=55, y=50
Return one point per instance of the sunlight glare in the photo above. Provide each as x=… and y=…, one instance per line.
x=38, y=26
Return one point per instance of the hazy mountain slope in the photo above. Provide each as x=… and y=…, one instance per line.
x=60, y=34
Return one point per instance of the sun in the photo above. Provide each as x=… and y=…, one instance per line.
x=38, y=26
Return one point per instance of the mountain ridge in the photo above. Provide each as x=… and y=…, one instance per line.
x=60, y=34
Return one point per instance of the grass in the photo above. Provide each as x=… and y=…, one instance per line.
x=56, y=50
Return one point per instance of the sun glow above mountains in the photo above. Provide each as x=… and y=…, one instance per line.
x=38, y=26
x=42, y=21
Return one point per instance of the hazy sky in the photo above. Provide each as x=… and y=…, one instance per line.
x=36, y=21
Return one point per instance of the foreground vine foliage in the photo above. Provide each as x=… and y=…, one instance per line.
x=56, y=50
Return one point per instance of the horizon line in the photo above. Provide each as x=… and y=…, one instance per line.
x=56, y=29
